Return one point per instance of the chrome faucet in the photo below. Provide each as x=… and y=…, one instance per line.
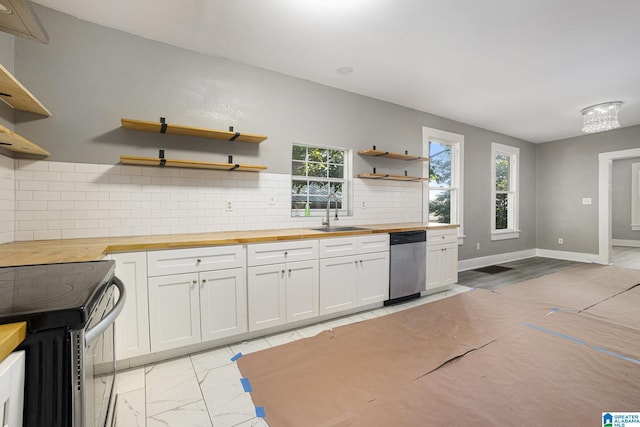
x=326, y=221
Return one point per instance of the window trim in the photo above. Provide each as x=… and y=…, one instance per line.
x=513, y=232
x=457, y=179
x=347, y=181
x=635, y=196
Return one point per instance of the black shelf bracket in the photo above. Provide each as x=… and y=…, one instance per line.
x=163, y=125
x=235, y=136
x=163, y=161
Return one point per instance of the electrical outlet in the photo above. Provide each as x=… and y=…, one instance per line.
x=272, y=199
x=586, y=200
x=228, y=206
x=560, y=241
x=362, y=205
x=478, y=246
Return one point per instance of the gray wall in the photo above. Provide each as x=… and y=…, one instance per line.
x=90, y=76
x=621, y=200
x=568, y=171
x=6, y=59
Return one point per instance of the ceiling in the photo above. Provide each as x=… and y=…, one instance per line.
x=522, y=68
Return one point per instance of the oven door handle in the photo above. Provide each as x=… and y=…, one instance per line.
x=107, y=320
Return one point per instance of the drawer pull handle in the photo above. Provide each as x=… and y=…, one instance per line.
x=282, y=271
x=195, y=281
x=286, y=253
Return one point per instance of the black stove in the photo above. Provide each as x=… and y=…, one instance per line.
x=60, y=303
x=49, y=296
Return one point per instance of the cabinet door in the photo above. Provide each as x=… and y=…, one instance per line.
x=267, y=299
x=434, y=266
x=302, y=290
x=338, y=284
x=450, y=264
x=12, y=389
x=223, y=303
x=174, y=311
x=373, y=283
x=132, y=325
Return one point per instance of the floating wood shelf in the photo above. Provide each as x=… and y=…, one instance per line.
x=14, y=142
x=161, y=127
x=17, y=96
x=399, y=156
x=386, y=176
x=191, y=164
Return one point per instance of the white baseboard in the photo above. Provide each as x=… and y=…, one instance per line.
x=470, y=264
x=623, y=242
x=568, y=256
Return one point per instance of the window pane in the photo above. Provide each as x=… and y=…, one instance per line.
x=439, y=164
x=317, y=155
x=503, y=165
x=318, y=192
x=336, y=188
x=298, y=168
x=502, y=211
x=440, y=206
x=299, y=152
x=336, y=171
x=336, y=156
x=317, y=169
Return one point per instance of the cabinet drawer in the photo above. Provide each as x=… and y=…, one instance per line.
x=344, y=246
x=378, y=242
x=436, y=237
x=339, y=246
x=273, y=253
x=176, y=261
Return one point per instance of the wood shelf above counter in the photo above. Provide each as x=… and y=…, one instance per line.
x=390, y=155
x=17, y=96
x=191, y=164
x=389, y=177
x=16, y=143
x=162, y=127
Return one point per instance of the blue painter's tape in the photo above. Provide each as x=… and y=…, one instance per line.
x=236, y=357
x=260, y=412
x=558, y=334
x=578, y=341
x=619, y=356
x=246, y=385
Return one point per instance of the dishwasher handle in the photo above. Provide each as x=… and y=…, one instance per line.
x=404, y=237
x=107, y=320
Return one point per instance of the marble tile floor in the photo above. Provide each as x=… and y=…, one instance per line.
x=204, y=389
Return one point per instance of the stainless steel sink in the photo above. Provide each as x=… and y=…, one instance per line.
x=335, y=229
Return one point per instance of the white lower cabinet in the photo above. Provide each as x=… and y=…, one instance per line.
x=442, y=257
x=12, y=389
x=282, y=293
x=195, y=307
x=174, y=311
x=359, y=276
x=132, y=325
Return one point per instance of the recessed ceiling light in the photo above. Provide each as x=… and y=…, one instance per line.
x=4, y=9
x=344, y=70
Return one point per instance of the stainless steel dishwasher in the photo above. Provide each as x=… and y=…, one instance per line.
x=408, y=265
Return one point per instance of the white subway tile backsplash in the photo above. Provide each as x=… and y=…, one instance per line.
x=86, y=200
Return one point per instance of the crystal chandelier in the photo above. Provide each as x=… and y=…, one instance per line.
x=601, y=117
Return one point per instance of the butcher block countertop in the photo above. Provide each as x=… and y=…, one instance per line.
x=11, y=335
x=91, y=249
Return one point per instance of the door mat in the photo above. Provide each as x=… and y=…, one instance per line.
x=492, y=269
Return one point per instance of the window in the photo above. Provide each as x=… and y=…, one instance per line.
x=444, y=192
x=635, y=196
x=504, y=189
x=318, y=173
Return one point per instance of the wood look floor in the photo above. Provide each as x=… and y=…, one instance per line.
x=531, y=268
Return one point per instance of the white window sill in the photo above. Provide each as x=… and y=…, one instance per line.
x=505, y=235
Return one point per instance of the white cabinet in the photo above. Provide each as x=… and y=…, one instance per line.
x=132, y=325
x=196, y=305
x=12, y=389
x=442, y=257
x=354, y=271
x=174, y=311
x=282, y=292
